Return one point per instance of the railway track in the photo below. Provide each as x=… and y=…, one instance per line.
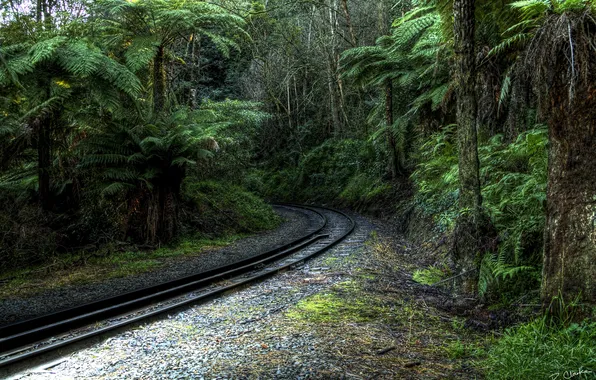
x=27, y=339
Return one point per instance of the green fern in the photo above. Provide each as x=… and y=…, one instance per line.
x=514, y=193
x=140, y=155
x=140, y=27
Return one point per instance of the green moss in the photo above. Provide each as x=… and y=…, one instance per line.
x=428, y=276
x=346, y=302
x=330, y=307
x=330, y=261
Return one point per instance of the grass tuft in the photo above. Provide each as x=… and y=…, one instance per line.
x=539, y=350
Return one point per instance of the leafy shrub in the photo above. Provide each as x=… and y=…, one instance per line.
x=326, y=170
x=539, y=350
x=224, y=208
x=280, y=185
x=436, y=178
x=336, y=169
x=515, y=196
x=364, y=188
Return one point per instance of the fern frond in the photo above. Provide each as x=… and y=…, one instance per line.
x=116, y=188
x=78, y=58
x=45, y=49
x=141, y=51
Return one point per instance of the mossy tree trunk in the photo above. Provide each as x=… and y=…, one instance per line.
x=44, y=160
x=570, y=234
x=468, y=229
x=159, y=80
x=393, y=164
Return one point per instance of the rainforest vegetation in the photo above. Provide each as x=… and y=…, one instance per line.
x=132, y=125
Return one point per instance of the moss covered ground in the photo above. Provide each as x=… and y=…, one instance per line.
x=78, y=269
x=388, y=323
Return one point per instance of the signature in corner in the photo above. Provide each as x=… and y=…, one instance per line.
x=570, y=374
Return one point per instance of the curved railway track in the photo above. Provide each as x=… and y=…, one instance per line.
x=30, y=338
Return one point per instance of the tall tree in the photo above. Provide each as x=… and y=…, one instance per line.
x=468, y=228
x=557, y=56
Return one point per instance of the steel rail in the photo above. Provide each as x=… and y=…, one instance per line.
x=28, y=331
x=16, y=339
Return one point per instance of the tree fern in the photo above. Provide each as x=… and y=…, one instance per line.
x=146, y=31
x=146, y=158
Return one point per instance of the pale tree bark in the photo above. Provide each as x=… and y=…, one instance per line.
x=335, y=103
x=344, y=7
x=38, y=10
x=468, y=227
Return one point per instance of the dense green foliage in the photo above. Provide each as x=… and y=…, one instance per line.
x=337, y=169
x=540, y=350
x=95, y=132
x=514, y=192
x=225, y=207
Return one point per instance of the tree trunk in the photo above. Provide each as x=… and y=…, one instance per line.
x=44, y=161
x=153, y=214
x=394, y=168
x=333, y=84
x=47, y=14
x=344, y=7
x=38, y=10
x=468, y=231
x=570, y=234
x=159, y=80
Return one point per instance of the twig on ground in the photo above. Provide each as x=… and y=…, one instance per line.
x=386, y=350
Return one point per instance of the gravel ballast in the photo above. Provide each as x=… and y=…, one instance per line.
x=239, y=335
x=353, y=312
x=296, y=223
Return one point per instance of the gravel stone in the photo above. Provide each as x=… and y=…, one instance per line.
x=241, y=335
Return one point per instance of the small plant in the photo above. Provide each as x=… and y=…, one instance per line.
x=458, y=323
x=456, y=350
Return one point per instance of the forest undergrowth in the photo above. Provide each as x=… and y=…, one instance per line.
x=215, y=215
